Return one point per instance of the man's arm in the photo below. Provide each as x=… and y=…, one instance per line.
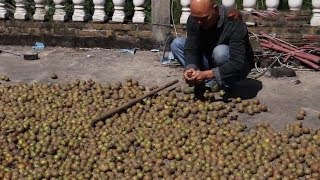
x=237, y=51
x=192, y=47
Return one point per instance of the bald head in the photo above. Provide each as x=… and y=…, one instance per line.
x=206, y=12
x=201, y=8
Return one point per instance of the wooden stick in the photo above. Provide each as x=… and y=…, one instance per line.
x=131, y=102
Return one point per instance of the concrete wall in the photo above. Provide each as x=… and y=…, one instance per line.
x=108, y=35
x=74, y=34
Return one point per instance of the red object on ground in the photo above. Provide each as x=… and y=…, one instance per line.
x=290, y=50
x=279, y=48
x=298, y=52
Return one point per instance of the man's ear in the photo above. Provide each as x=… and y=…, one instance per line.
x=215, y=6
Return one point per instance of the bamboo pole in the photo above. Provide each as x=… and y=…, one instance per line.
x=131, y=102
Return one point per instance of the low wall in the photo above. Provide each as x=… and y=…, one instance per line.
x=108, y=35
x=75, y=34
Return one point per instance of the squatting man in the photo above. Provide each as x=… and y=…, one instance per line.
x=217, y=47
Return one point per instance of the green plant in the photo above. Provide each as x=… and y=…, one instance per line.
x=176, y=11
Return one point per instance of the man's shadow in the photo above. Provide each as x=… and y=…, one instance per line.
x=245, y=89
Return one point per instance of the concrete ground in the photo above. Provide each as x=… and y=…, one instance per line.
x=281, y=95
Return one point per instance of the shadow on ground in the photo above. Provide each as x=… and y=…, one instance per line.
x=246, y=89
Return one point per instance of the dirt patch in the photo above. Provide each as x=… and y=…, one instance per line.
x=282, y=95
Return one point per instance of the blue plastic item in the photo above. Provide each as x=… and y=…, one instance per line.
x=38, y=46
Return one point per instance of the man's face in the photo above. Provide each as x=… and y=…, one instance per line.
x=208, y=18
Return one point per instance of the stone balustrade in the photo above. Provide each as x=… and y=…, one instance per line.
x=98, y=26
x=100, y=14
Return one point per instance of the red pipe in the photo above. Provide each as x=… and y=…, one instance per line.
x=274, y=46
x=272, y=38
x=311, y=57
x=308, y=62
x=279, y=48
x=311, y=48
x=287, y=58
x=264, y=41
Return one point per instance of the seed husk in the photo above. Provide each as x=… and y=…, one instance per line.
x=300, y=116
x=47, y=128
x=54, y=76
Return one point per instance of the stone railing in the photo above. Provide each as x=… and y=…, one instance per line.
x=68, y=24
x=99, y=14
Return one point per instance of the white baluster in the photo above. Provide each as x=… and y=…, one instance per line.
x=229, y=3
x=295, y=5
x=315, y=20
x=185, y=11
x=272, y=5
x=40, y=12
x=3, y=12
x=78, y=13
x=249, y=5
x=59, y=13
x=20, y=12
x=139, y=14
x=99, y=13
x=118, y=14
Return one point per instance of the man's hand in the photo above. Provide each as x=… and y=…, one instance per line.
x=198, y=76
x=188, y=74
x=193, y=77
